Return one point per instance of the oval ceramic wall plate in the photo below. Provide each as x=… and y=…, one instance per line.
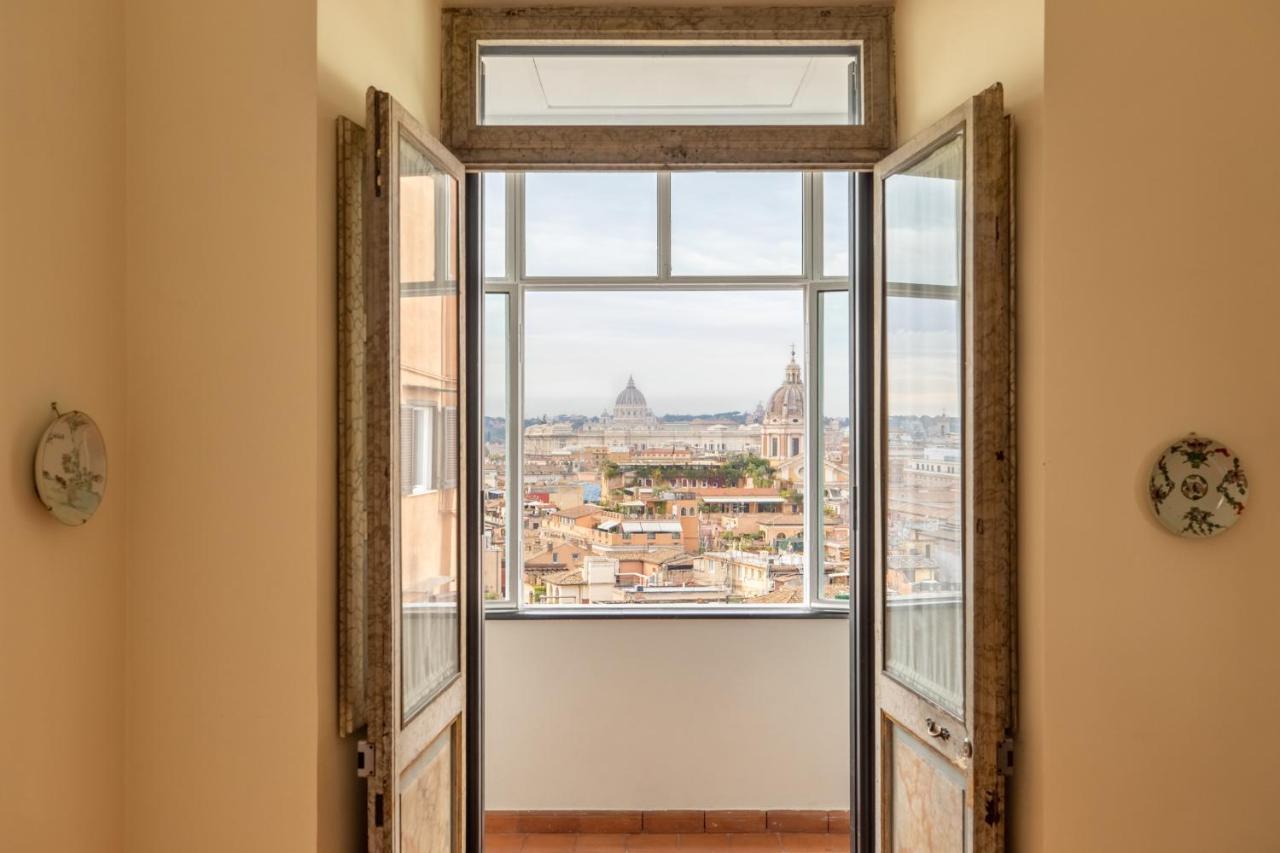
x=71, y=468
x=1198, y=487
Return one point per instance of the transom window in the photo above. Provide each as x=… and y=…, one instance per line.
x=662, y=82
x=674, y=348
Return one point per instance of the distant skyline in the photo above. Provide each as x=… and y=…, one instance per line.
x=698, y=352
x=689, y=351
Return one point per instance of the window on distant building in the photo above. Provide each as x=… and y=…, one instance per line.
x=654, y=335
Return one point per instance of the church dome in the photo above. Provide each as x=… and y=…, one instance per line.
x=631, y=409
x=787, y=403
x=631, y=396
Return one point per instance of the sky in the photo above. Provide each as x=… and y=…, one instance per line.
x=695, y=352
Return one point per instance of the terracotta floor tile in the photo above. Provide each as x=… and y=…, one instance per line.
x=754, y=841
x=735, y=821
x=795, y=842
x=609, y=822
x=706, y=841
x=673, y=821
x=505, y=822
x=554, y=822
x=502, y=841
x=797, y=821
x=839, y=842
x=550, y=842
x=654, y=842
x=598, y=842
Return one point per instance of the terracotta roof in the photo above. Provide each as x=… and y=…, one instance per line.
x=569, y=557
x=780, y=595
x=657, y=556
x=579, y=511
x=565, y=579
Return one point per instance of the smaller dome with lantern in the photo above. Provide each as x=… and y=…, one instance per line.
x=786, y=405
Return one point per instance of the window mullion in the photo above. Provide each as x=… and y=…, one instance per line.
x=664, y=226
x=817, y=235
x=515, y=222
x=515, y=380
x=813, y=445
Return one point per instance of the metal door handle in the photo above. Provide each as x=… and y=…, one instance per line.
x=935, y=730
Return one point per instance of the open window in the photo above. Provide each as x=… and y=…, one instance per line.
x=668, y=420
x=407, y=588
x=944, y=509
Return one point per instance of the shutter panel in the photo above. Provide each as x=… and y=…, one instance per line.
x=427, y=479
x=407, y=455
x=451, y=447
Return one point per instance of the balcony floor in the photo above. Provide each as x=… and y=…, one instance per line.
x=781, y=842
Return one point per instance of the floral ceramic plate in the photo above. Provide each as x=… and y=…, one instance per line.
x=71, y=468
x=1197, y=487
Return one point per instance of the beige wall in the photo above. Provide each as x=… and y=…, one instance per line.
x=206, y=243
x=228, y=396
x=62, y=328
x=663, y=713
x=1162, y=288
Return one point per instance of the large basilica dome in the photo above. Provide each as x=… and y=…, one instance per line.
x=631, y=406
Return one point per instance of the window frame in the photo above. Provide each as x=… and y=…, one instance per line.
x=509, y=147
x=811, y=282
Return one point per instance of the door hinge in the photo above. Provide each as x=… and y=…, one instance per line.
x=365, y=759
x=1004, y=757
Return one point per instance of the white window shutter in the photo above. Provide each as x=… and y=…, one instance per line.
x=407, y=456
x=424, y=421
x=451, y=447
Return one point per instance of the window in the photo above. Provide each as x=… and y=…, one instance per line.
x=417, y=438
x=736, y=224
x=590, y=224
x=495, y=473
x=606, y=86
x=683, y=83
x=429, y=444
x=651, y=428
x=836, y=472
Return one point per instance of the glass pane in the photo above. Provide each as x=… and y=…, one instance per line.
x=591, y=223
x=680, y=83
x=837, y=496
x=922, y=226
x=663, y=448
x=924, y=576
x=495, y=225
x=496, y=396
x=736, y=223
x=836, y=235
x=429, y=427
